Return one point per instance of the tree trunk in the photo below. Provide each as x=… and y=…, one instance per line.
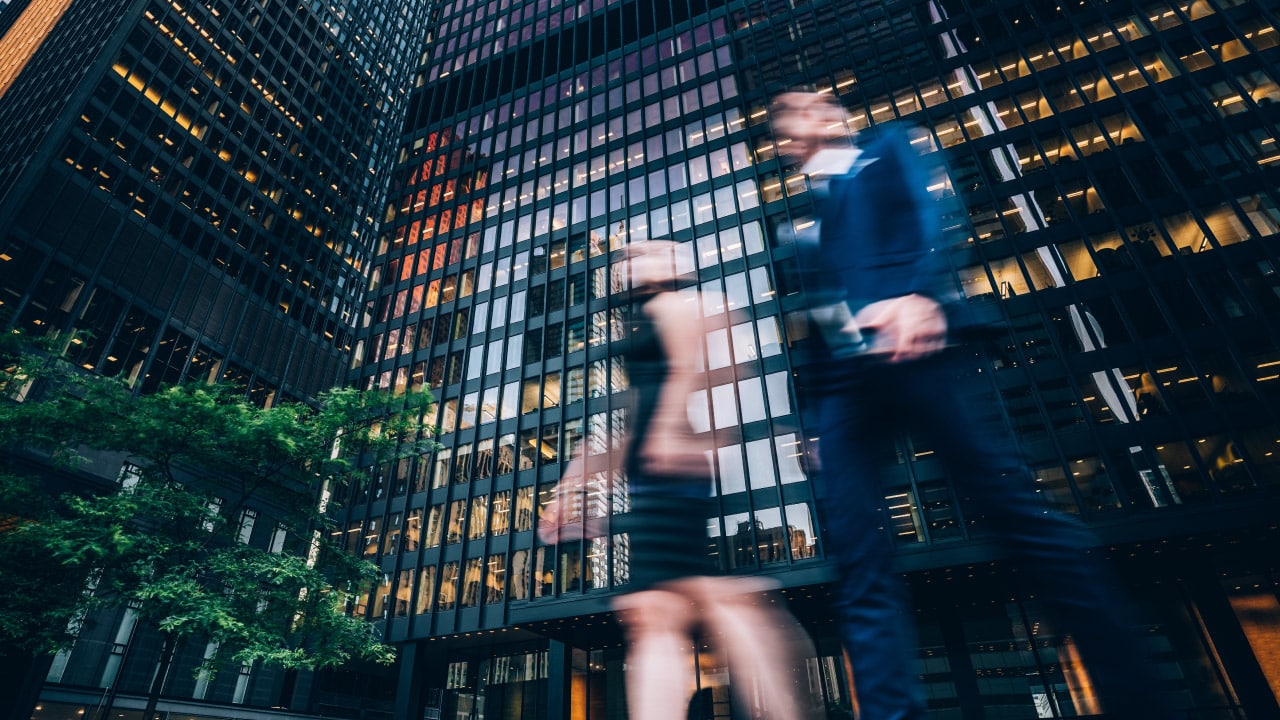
x=162, y=674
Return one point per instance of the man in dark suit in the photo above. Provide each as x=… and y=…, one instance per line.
x=885, y=354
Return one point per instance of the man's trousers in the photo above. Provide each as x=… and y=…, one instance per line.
x=858, y=416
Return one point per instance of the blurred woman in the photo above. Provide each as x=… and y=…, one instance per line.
x=674, y=590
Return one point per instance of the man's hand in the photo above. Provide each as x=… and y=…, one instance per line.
x=906, y=328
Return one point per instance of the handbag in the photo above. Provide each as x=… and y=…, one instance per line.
x=568, y=516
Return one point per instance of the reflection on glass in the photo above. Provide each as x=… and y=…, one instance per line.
x=404, y=593
x=457, y=519
x=760, y=470
x=904, y=517
x=372, y=533
x=426, y=590
x=718, y=349
x=738, y=547
x=506, y=454
x=391, y=540
x=435, y=522
x=596, y=567
x=772, y=538
x=524, y=509
x=724, y=405
x=751, y=395
x=544, y=577
x=500, y=518
x=1051, y=484
x=440, y=473
x=800, y=532
x=571, y=568
x=479, y=515
x=471, y=582
x=938, y=507
x=732, y=474
x=789, y=454
x=413, y=530
x=448, y=593
x=621, y=559
x=779, y=394
x=520, y=576
x=495, y=579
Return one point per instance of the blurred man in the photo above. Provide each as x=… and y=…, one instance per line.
x=887, y=336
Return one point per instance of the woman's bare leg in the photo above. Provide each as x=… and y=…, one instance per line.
x=659, y=675
x=762, y=644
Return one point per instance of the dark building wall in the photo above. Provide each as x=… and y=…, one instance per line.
x=197, y=195
x=23, y=675
x=186, y=194
x=42, y=77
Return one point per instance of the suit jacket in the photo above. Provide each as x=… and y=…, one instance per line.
x=880, y=236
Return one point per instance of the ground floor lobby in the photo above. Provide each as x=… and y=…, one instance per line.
x=988, y=650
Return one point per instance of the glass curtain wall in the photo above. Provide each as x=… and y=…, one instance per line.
x=1111, y=166
x=496, y=286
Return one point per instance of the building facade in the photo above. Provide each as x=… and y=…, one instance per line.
x=1116, y=166
x=191, y=190
x=187, y=193
x=190, y=186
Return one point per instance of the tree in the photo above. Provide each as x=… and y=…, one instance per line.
x=166, y=539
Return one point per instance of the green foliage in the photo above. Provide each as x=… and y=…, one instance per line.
x=38, y=599
x=160, y=540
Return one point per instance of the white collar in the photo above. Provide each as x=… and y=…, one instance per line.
x=831, y=161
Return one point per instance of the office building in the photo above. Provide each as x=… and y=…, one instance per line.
x=1117, y=166
x=187, y=193
x=191, y=184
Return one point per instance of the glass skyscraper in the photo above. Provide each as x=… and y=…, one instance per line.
x=192, y=184
x=187, y=192
x=434, y=195
x=1115, y=163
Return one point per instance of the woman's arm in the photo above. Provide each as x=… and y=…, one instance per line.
x=670, y=447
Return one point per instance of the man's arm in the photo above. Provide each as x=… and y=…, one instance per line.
x=914, y=325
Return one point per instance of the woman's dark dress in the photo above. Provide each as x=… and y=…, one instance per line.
x=668, y=518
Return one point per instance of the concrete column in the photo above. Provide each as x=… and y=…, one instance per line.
x=559, y=677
